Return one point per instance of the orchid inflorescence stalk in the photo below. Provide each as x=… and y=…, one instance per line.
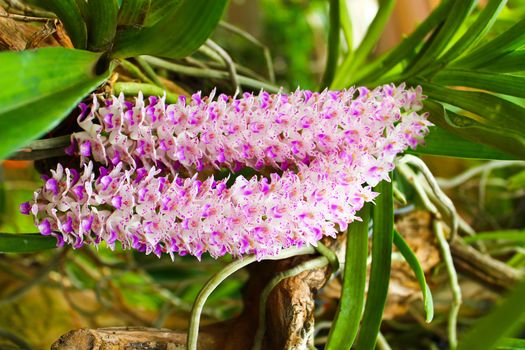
x=147, y=176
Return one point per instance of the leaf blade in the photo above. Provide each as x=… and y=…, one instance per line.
x=413, y=262
x=381, y=263
x=199, y=19
x=45, y=85
x=346, y=323
x=25, y=243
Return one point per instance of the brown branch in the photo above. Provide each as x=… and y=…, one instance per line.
x=483, y=267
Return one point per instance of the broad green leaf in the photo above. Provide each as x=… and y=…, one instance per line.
x=412, y=261
x=507, y=84
x=133, y=12
x=439, y=42
x=102, y=24
x=70, y=14
x=510, y=40
x=44, y=86
x=508, y=235
x=504, y=320
x=25, y=243
x=179, y=33
x=380, y=269
x=476, y=31
x=511, y=62
x=346, y=323
x=449, y=139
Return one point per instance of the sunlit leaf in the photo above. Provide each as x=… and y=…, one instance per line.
x=508, y=41
x=507, y=84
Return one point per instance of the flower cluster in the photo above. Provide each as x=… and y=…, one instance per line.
x=256, y=131
x=327, y=150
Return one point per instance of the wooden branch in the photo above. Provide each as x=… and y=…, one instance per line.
x=129, y=338
x=483, y=267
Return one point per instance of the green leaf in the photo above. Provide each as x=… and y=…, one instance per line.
x=504, y=320
x=510, y=40
x=352, y=62
x=102, y=24
x=179, y=33
x=476, y=31
x=511, y=344
x=133, y=12
x=511, y=62
x=412, y=261
x=381, y=263
x=448, y=140
x=384, y=63
x=25, y=243
x=44, y=86
x=507, y=84
x=487, y=112
x=333, y=45
x=441, y=40
x=346, y=323
x=158, y=10
x=70, y=14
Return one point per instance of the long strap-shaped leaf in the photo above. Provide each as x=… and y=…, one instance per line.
x=182, y=31
x=510, y=40
x=476, y=31
x=25, y=243
x=344, y=328
x=380, y=270
x=511, y=62
x=491, y=111
x=383, y=64
x=333, y=45
x=513, y=85
x=412, y=261
x=354, y=61
x=460, y=11
x=40, y=88
x=70, y=14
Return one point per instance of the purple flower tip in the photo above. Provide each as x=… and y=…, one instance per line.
x=25, y=208
x=45, y=227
